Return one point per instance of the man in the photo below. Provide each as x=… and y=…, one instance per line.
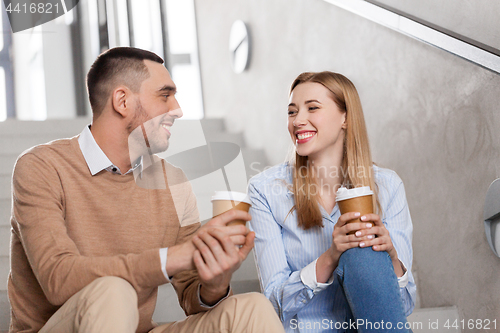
x=94, y=232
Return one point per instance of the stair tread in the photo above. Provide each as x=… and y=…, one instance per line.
x=4, y=240
x=4, y=312
x=5, y=187
x=236, y=138
x=4, y=272
x=212, y=124
x=7, y=162
x=20, y=128
x=5, y=211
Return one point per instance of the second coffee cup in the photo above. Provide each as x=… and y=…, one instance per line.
x=226, y=200
x=358, y=199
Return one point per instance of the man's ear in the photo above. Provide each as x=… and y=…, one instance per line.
x=120, y=100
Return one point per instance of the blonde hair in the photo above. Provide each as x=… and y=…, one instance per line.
x=357, y=157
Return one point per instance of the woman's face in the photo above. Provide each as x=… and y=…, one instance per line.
x=315, y=123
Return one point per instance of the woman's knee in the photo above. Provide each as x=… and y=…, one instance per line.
x=363, y=259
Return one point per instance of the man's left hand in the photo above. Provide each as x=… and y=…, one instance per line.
x=216, y=258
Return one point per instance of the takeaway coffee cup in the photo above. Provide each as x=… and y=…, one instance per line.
x=358, y=199
x=226, y=200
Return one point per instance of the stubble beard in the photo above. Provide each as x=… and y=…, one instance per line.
x=148, y=132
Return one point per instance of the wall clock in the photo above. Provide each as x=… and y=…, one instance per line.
x=239, y=46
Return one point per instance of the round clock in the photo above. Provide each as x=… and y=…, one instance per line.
x=239, y=46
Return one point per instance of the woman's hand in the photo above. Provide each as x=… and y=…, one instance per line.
x=342, y=241
x=380, y=240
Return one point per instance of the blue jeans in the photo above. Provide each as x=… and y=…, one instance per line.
x=372, y=291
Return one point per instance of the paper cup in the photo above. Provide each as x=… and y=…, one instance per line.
x=358, y=199
x=225, y=200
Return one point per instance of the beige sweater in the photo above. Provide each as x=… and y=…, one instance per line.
x=69, y=228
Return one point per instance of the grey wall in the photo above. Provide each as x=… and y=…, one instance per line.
x=432, y=117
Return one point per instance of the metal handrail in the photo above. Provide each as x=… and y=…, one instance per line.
x=483, y=55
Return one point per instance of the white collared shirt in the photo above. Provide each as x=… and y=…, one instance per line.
x=96, y=159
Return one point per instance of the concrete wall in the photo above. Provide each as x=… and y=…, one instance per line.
x=432, y=117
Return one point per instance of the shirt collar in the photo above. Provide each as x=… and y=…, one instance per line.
x=96, y=159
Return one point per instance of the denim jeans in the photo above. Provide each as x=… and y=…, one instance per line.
x=372, y=291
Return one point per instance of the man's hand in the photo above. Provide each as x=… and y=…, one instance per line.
x=216, y=259
x=237, y=232
x=180, y=257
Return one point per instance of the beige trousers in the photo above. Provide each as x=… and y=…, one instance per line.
x=109, y=304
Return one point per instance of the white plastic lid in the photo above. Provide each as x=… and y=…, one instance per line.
x=229, y=195
x=343, y=193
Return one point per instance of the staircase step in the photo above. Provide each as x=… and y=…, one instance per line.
x=211, y=124
x=17, y=145
x=4, y=240
x=247, y=270
x=7, y=162
x=168, y=308
x=241, y=287
x=53, y=128
x=423, y=320
x=4, y=312
x=4, y=272
x=5, y=212
x=255, y=161
x=167, y=305
x=236, y=138
x=5, y=187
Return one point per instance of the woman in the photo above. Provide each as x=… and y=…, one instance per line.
x=318, y=277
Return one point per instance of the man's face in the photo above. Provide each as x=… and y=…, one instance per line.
x=155, y=111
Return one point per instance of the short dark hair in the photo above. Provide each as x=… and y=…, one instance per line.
x=119, y=65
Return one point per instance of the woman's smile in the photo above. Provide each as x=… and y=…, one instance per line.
x=304, y=136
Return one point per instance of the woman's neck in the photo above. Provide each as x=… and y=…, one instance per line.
x=327, y=169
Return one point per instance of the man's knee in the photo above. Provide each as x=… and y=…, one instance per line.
x=114, y=288
x=254, y=298
x=256, y=301
x=253, y=312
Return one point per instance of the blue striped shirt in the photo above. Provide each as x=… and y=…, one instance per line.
x=283, y=249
